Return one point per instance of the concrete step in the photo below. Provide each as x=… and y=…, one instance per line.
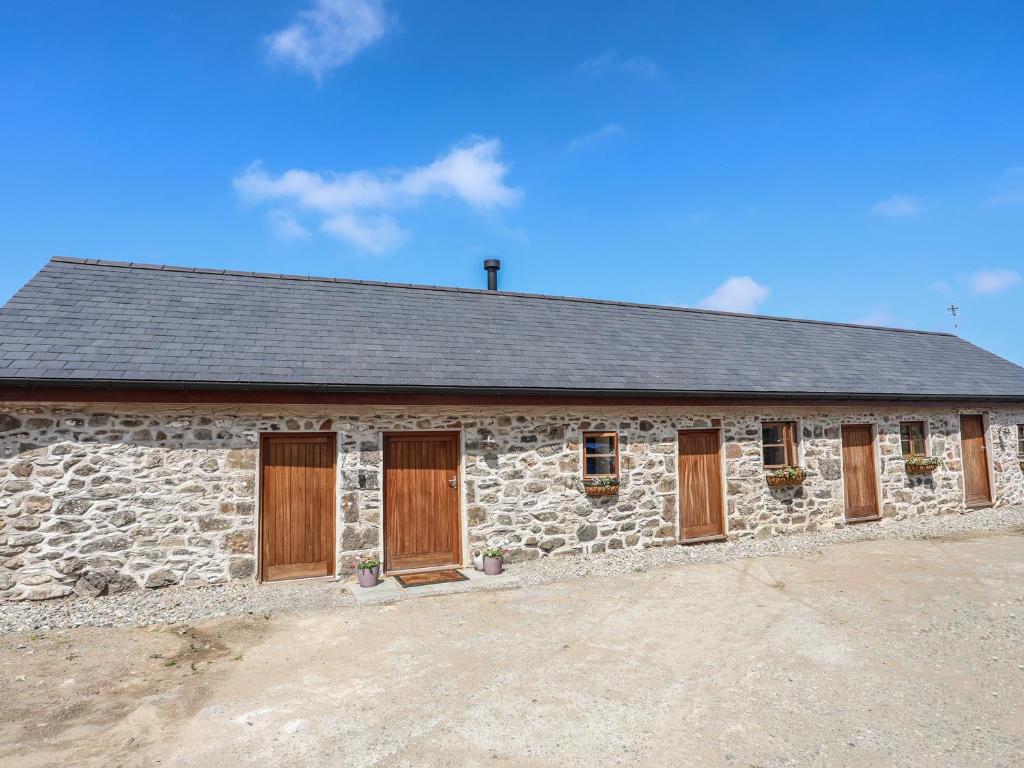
x=389, y=590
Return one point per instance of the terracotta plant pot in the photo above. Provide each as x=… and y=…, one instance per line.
x=368, y=577
x=493, y=565
x=601, y=490
x=921, y=469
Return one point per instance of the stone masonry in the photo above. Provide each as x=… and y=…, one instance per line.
x=108, y=498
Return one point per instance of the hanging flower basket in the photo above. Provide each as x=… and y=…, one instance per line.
x=922, y=465
x=785, y=477
x=601, y=486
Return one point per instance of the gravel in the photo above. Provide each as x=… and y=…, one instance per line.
x=179, y=604
x=174, y=605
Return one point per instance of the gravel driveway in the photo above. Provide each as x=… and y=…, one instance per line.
x=886, y=652
x=178, y=604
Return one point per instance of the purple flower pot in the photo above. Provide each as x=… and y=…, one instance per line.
x=492, y=565
x=368, y=577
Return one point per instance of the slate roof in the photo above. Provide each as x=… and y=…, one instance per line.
x=111, y=323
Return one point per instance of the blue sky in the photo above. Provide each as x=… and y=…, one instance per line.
x=858, y=162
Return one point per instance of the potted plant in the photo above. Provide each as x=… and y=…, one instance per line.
x=785, y=477
x=601, y=486
x=494, y=560
x=921, y=465
x=367, y=571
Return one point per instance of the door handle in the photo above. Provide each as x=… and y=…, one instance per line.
x=453, y=481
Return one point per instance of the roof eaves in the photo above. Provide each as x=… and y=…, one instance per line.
x=240, y=385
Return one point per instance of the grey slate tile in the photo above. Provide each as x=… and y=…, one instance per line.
x=100, y=320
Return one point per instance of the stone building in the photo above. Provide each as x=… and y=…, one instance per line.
x=162, y=425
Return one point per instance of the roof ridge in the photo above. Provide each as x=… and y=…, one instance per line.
x=455, y=289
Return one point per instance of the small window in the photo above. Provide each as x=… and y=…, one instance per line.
x=778, y=444
x=600, y=454
x=912, y=438
x=1020, y=441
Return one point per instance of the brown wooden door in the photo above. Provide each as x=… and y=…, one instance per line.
x=297, y=506
x=421, y=500
x=972, y=439
x=860, y=478
x=700, y=485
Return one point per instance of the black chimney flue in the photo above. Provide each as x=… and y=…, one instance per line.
x=492, y=266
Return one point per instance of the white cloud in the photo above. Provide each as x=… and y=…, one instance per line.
x=596, y=137
x=897, y=207
x=355, y=206
x=1011, y=189
x=473, y=172
x=329, y=35
x=737, y=294
x=376, y=234
x=881, y=317
x=611, y=61
x=941, y=286
x=994, y=280
x=286, y=226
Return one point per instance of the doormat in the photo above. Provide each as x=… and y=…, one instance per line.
x=431, y=577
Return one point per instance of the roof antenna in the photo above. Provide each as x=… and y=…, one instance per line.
x=953, y=309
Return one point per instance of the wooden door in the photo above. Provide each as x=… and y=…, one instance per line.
x=421, y=500
x=297, y=506
x=700, y=485
x=860, y=477
x=975, y=458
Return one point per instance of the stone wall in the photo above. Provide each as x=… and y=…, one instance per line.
x=101, y=498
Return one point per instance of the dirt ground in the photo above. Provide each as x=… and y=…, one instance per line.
x=884, y=653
